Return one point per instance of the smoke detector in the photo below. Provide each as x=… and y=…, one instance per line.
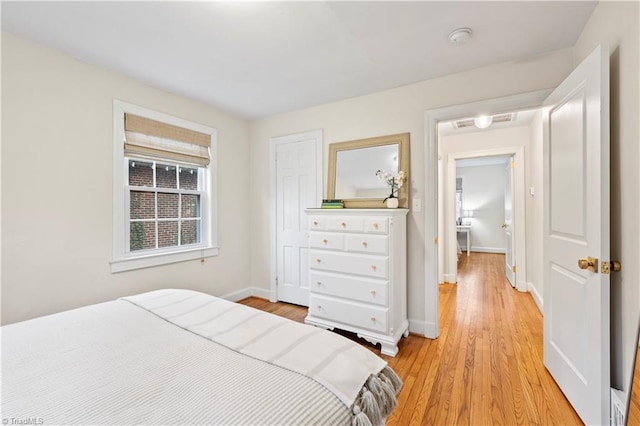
x=460, y=36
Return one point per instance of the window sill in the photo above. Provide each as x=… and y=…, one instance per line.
x=158, y=259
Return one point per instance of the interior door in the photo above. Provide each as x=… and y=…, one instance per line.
x=576, y=226
x=296, y=189
x=509, y=258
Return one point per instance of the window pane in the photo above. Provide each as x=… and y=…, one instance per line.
x=190, y=205
x=142, y=236
x=168, y=205
x=168, y=233
x=166, y=176
x=142, y=205
x=190, y=232
x=140, y=173
x=189, y=178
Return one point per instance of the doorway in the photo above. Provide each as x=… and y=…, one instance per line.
x=483, y=210
x=434, y=177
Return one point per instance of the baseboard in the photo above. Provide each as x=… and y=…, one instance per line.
x=536, y=296
x=416, y=326
x=430, y=330
x=487, y=250
x=448, y=278
x=247, y=292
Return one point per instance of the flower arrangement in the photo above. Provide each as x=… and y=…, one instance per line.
x=394, y=180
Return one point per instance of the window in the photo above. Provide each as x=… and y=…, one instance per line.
x=164, y=204
x=164, y=193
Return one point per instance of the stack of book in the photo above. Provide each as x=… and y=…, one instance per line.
x=332, y=204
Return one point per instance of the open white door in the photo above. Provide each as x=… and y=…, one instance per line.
x=509, y=235
x=297, y=188
x=576, y=237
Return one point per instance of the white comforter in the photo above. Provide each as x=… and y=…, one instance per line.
x=120, y=363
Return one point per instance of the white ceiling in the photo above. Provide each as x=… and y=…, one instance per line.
x=262, y=58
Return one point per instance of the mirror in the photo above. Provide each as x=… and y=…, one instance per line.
x=353, y=166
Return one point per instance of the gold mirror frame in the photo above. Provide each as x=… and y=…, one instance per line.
x=401, y=139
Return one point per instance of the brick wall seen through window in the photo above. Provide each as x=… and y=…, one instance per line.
x=164, y=205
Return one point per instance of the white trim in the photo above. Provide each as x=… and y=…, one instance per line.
x=122, y=259
x=498, y=250
x=431, y=119
x=448, y=278
x=157, y=259
x=234, y=296
x=536, y=296
x=416, y=326
x=273, y=142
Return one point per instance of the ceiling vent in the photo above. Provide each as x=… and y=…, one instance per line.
x=499, y=118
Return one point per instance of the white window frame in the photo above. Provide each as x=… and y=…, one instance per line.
x=124, y=259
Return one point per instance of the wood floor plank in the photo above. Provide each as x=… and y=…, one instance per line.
x=486, y=366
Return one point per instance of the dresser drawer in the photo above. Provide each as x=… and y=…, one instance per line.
x=376, y=225
x=366, y=243
x=359, y=289
x=345, y=224
x=350, y=263
x=326, y=240
x=368, y=317
x=317, y=223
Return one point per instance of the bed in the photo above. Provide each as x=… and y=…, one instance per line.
x=184, y=357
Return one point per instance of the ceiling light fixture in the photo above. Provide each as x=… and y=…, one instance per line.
x=460, y=36
x=483, y=121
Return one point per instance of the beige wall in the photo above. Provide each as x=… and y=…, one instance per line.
x=388, y=112
x=57, y=186
x=615, y=24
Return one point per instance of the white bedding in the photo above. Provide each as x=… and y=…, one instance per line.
x=117, y=363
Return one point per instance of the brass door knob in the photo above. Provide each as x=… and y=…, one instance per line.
x=590, y=264
x=504, y=226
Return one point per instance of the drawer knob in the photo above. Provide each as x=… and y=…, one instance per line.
x=324, y=241
x=373, y=319
x=319, y=283
x=315, y=222
x=375, y=226
x=318, y=261
x=319, y=306
x=344, y=225
x=374, y=267
x=373, y=292
x=364, y=244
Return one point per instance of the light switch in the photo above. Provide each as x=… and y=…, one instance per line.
x=417, y=205
x=532, y=191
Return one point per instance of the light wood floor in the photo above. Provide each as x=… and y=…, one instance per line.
x=633, y=418
x=486, y=366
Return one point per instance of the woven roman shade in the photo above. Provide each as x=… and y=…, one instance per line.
x=150, y=138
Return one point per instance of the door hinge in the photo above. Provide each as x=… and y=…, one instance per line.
x=276, y=280
x=513, y=269
x=513, y=165
x=435, y=240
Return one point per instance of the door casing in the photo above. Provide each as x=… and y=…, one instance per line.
x=431, y=118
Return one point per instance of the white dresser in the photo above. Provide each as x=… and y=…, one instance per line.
x=358, y=273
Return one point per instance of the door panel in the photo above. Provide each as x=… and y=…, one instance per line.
x=296, y=189
x=576, y=225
